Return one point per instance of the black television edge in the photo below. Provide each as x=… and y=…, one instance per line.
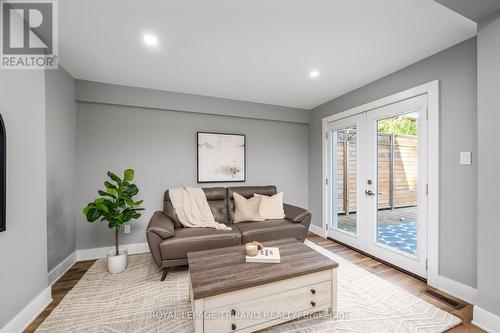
x=3, y=174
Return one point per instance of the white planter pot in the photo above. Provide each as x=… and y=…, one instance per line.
x=117, y=263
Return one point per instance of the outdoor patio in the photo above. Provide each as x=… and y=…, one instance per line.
x=397, y=227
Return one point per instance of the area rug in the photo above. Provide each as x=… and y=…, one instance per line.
x=137, y=301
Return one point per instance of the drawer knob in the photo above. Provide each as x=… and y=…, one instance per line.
x=313, y=304
x=313, y=291
x=233, y=327
x=233, y=312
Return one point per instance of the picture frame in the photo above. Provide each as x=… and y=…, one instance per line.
x=221, y=157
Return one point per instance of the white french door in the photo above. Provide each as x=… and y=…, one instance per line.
x=346, y=163
x=377, y=166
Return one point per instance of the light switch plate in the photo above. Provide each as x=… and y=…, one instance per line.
x=465, y=158
x=126, y=229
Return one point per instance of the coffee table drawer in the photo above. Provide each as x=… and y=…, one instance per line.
x=295, y=302
x=264, y=290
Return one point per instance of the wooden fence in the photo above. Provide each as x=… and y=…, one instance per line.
x=397, y=171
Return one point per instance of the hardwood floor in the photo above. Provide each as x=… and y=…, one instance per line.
x=404, y=281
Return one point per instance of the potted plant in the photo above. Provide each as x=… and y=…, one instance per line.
x=116, y=207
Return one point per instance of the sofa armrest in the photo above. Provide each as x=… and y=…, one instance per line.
x=161, y=225
x=298, y=215
x=294, y=213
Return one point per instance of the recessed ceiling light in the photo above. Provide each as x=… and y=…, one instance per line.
x=150, y=40
x=314, y=73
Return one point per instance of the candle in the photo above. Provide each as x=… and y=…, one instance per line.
x=251, y=249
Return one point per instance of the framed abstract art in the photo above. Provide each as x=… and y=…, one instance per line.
x=221, y=157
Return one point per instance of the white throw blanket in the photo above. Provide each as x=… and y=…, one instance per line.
x=192, y=209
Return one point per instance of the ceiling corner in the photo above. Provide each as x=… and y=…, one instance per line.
x=475, y=10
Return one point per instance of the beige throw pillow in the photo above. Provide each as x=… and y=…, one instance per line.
x=246, y=209
x=271, y=208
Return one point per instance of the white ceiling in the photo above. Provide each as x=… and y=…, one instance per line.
x=253, y=50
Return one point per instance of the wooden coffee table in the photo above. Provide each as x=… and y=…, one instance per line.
x=229, y=295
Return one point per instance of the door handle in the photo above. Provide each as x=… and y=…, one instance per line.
x=369, y=192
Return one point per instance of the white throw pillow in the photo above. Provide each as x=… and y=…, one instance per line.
x=246, y=209
x=271, y=208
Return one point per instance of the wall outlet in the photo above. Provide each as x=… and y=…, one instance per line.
x=126, y=229
x=465, y=158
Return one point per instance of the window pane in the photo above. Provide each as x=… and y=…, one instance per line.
x=397, y=179
x=345, y=152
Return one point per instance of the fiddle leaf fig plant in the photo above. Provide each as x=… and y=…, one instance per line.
x=115, y=205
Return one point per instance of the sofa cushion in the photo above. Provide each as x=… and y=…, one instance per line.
x=246, y=209
x=169, y=210
x=271, y=230
x=247, y=192
x=219, y=210
x=216, y=198
x=271, y=207
x=197, y=239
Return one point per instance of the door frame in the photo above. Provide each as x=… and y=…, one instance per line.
x=432, y=91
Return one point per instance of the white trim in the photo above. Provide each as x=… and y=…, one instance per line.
x=486, y=320
x=101, y=252
x=325, y=144
x=64, y=266
x=24, y=318
x=316, y=229
x=433, y=158
x=458, y=290
x=432, y=91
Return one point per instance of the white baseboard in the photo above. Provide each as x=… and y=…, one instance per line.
x=317, y=230
x=486, y=320
x=101, y=252
x=62, y=268
x=24, y=318
x=457, y=289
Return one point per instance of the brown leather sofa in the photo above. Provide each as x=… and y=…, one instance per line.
x=170, y=242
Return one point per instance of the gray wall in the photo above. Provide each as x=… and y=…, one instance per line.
x=488, y=268
x=456, y=70
x=89, y=91
x=161, y=146
x=23, y=247
x=61, y=165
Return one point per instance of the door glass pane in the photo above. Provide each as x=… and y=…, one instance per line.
x=344, y=184
x=397, y=179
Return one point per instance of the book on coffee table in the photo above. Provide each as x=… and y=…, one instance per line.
x=268, y=255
